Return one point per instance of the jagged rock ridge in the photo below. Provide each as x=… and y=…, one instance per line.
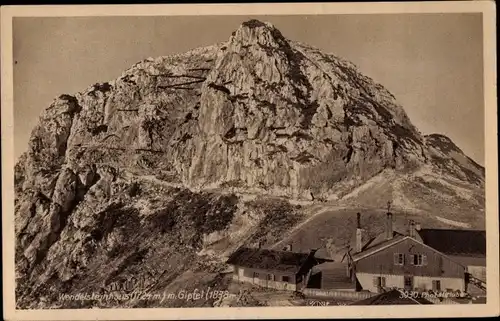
x=259, y=113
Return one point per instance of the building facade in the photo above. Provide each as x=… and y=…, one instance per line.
x=281, y=270
x=279, y=280
x=395, y=260
x=405, y=263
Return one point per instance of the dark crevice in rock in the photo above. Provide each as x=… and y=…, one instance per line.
x=128, y=110
x=109, y=136
x=231, y=133
x=404, y=133
x=350, y=121
x=350, y=149
x=74, y=106
x=98, y=130
x=146, y=150
x=219, y=87
x=127, y=79
x=42, y=197
x=183, y=76
x=103, y=87
x=304, y=158
x=188, y=117
x=257, y=162
x=299, y=134
x=181, y=85
x=347, y=157
x=267, y=104
x=328, y=141
x=308, y=113
x=237, y=97
x=277, y=149
x=199, y=69
x=186, y=137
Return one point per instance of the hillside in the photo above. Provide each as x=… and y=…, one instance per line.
x=161, y=173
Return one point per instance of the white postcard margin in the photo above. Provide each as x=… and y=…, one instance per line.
x=491, y=308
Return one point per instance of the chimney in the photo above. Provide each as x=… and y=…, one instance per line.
x=412, y=228
x=388, y=226
x=359, y=234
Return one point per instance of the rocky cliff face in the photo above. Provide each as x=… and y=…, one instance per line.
x=285, y=118
x=257, y=114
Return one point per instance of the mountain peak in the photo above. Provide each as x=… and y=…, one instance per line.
x=442, y=142
x=254, y=23
x=450, y=158
x=257, y=32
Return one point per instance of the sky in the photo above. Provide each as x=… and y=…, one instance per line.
x=432, y=63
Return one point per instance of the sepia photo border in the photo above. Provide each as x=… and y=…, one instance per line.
x=491, y=308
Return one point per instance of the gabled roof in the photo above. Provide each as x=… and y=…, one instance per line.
x=395, y=240
x=268, y=259
x=380, y=246
x=392, y=297
x=380, y=239
x=455, y=242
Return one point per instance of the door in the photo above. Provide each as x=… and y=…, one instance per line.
x=408, y=282
x=436, y=285
x=255, y=279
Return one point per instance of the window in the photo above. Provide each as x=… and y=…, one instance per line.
x=379, y=281
x=418, y=259
x=270, y=277
x=399, y=259
x=436, y=285
x=408, y=282
x=285, y=278
x=255, y=274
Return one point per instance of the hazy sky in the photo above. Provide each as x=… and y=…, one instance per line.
x=432, y=63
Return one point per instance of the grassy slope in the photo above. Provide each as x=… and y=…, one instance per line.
x=337, y=227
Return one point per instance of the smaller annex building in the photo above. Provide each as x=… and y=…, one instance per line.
x=282, y=270
x=467, y=247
